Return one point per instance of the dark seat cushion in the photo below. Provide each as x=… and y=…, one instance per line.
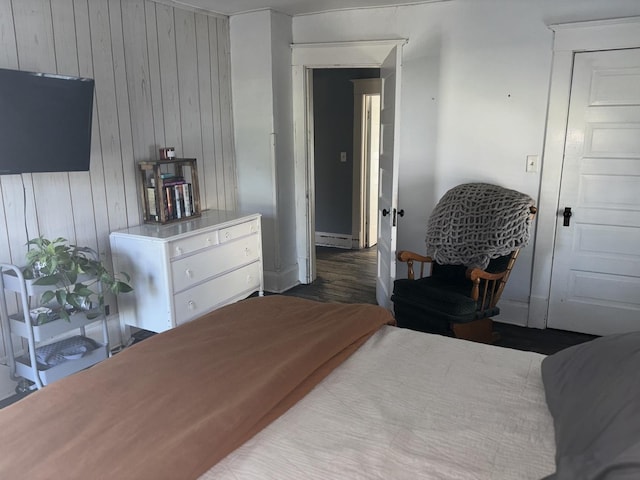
x=432, y=303
x=433, y=297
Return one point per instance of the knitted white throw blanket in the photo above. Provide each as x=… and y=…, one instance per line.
x=475, y=222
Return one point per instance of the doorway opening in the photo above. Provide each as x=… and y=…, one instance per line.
x=345, y=106
x=387, y=56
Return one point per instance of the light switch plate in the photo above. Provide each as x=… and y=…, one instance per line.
x=343, y=156
x=532, y=163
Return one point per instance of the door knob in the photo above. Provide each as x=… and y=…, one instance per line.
x=401, y=212
x=567, y=216
x=385, y=212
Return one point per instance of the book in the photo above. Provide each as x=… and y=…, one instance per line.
x=170, y=203
x=153, y=205
x=186, y=197
x=177, y=191
x=173, y=181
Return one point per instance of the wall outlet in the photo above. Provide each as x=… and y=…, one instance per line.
x=343, y=157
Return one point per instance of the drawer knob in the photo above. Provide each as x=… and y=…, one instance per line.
x=192, y=305
x=249, y=278
x=247, y=252
x=208, y=241
x=179, y=250
x=189, y=273
x=227, y=235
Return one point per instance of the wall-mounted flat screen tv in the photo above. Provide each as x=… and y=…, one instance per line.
x=45, y=122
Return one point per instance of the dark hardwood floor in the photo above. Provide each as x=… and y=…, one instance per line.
x=349, y=276
x=343, y=276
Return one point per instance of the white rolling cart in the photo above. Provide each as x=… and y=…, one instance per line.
x=53, y=333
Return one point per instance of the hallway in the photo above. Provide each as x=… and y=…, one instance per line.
x=343, y=276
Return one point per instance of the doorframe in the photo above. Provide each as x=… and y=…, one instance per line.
x=569, y=38
x=306, y=57
x=371, y=168
x=362, y=87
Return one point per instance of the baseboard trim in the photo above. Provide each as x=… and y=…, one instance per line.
x=513, y=312
x=337, y=240
x=538, y=309
x=278, y=282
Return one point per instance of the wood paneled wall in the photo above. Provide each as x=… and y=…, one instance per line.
x=162, y=79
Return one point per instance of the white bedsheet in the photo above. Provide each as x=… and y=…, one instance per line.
x=409, y=405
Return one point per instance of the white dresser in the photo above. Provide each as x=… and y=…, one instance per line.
x=183, y=270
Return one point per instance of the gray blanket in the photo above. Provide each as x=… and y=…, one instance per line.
x=475, y=222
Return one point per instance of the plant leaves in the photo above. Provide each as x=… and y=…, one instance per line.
x=121, y=287
x=47, y=280
x=47, y=296
x=82, y=290
x=74, y=300
x=72, y=276
x=42, y=318
x=64, y=314
x=61, y=297
x=63, y=265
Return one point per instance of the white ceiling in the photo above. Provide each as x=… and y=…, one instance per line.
x=290, y=7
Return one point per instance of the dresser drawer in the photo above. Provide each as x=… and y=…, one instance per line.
x=187, y=245
x=202, y=298
x=196, y=268
x=237, y=231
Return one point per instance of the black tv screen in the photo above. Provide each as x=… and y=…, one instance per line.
x=45, y=122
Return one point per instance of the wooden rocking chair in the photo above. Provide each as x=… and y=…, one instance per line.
x=453, y=300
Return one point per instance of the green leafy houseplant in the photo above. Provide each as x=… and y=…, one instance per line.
x=74, y=275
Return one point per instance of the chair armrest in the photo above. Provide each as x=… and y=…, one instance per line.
x=406, y=255
x=476, y=274
x=410, y=257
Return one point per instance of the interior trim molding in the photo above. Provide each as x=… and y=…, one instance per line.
x=336, y=240
x=281, y=281
x=306, y=57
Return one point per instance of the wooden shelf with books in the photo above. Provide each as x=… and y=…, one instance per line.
x=170, y=190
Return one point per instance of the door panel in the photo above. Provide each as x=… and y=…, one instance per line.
x=595, y=285
x=388, y=178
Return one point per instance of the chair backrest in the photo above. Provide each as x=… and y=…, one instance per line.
x=475, y=222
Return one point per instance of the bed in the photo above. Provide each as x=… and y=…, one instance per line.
x=285, y=388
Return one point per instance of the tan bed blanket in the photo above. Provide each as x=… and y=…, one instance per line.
x=172, y=406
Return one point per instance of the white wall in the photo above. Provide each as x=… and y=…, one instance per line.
x=475, y=83
x=262, y=112
x=161, y=79
x=281, y=38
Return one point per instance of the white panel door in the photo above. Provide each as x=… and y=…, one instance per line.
x=595, y=286
x=388, y=178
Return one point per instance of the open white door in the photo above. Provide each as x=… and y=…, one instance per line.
x=388, y=178
x=595, y=286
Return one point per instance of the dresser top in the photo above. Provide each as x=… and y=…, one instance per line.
x=209, y=218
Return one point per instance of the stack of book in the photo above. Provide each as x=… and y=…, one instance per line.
x=178, y=198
